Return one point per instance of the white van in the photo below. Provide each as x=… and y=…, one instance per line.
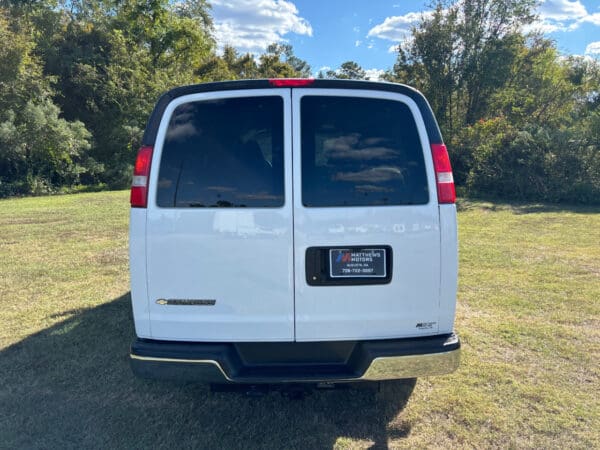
x=293, y=230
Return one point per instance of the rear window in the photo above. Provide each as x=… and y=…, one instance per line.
x=223, y=153
x=360, y=152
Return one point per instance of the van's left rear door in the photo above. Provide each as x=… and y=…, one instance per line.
x=219, y=219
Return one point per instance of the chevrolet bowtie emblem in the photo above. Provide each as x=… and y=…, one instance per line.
x=186, y=301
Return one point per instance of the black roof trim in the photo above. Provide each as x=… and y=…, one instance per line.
x=431, y=125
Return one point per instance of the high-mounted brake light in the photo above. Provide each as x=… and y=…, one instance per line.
x=291, y=82
x=443, y=174
x=141, y=174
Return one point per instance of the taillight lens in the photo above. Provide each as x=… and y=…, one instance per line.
x=443, y=174
x=141, y=174
x=291, y=82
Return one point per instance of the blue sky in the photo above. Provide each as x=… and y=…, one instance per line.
x=328, y=32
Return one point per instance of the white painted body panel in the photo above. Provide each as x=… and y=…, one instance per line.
x=369, y=311
x=449, y=267
x=252, y=261
x=239, y=257
x=137, y=272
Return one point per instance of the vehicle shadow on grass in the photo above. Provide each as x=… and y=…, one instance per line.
x=70, y=386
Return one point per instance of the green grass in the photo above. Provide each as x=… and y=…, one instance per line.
x=528, y=315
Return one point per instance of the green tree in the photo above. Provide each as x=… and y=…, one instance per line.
x=113, y=59
x=538, y=89
x=285, y=53
x=429, y=62
x=279, y=61
x=229, y=66
x=460, y=54
x=349, y=70
x=39, y=150
x=521, y=121
x=542, y=140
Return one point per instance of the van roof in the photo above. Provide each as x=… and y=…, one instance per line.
x=431, y=125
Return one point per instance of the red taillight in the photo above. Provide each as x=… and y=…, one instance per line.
x=443, y=174
x=291, y=82
x=141, y=173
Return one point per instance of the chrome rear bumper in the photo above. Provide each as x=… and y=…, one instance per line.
x=303, y=362
x=412, y=366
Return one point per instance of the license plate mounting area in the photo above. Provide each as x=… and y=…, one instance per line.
x=352, y=265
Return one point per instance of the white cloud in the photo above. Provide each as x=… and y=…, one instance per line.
x=357, y=43
x=562, y=10
x=396, y=28
x=593, y=48
x=554, y=15
x=251, y=25
x=374, y=74
x=544, y=27
x=592, y=18
x=392, y=48
x=563, y=15
x=323, y=69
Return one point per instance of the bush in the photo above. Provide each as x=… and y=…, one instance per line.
x=530, y=163
x=39, y=151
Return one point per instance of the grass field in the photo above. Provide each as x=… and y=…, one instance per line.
x=528, y=315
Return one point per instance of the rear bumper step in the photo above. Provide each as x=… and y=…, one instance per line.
x=275, y=362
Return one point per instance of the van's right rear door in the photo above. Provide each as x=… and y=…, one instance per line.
x=366, y=219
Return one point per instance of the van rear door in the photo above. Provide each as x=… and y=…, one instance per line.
x=219, y=219
x=366, y=219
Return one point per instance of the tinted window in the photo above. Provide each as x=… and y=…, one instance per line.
x=360, y=152
x=223, y=153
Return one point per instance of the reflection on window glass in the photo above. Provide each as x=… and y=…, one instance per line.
x=224, y=153
x=360, y=152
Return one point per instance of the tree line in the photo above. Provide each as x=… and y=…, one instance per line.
x=521, y=121
x=78, y=79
